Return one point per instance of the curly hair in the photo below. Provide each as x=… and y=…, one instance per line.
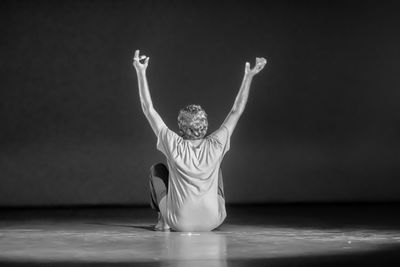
x=192, y=122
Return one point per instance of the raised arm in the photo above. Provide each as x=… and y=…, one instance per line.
x=241, y=98
x=151, y=114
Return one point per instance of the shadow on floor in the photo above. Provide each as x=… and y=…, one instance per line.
x=143, y=227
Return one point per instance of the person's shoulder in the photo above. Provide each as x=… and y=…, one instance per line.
x=219, y=133
x=168, y=140
x=170, y=134
x=220, y=139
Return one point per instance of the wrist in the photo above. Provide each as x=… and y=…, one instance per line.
x=141, y=71
x=248, y=76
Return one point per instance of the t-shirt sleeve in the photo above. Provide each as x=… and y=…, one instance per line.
x=167, y=141
x=223, y=137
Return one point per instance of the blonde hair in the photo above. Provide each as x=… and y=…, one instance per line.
x=192, y=122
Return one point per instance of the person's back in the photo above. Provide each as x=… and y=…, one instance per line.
x=193, y=202
x=188, y=193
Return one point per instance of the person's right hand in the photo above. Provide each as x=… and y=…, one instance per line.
x=260, y=64
x=137, y=64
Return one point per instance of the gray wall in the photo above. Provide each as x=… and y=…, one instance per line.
x=321, y=124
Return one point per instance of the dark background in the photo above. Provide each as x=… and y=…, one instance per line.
x=321, y=124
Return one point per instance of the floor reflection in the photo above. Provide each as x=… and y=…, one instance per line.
x=254, y=236
x=196, y=247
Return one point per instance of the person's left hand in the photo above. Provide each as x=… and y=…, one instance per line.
x=137, y=64
x=260, y=64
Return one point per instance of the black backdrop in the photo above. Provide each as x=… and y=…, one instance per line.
x=321, y=124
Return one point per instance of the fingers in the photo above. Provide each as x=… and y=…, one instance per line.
x=258, y=68
x=260, y=63
x=136, y=56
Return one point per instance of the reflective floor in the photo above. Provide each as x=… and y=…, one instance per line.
x=274, y=235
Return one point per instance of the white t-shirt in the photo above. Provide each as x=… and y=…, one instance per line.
x=192, y=202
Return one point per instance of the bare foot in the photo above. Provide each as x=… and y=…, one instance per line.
x=161, y=225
